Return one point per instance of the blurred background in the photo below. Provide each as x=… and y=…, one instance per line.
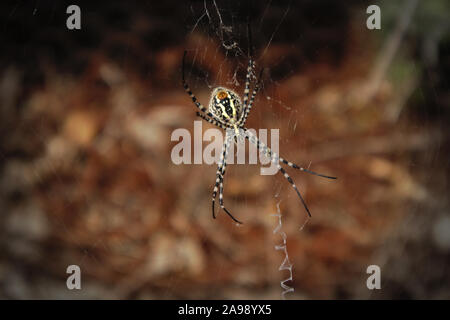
x=87, y=178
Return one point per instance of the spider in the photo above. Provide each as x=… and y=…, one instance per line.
x=226, y=111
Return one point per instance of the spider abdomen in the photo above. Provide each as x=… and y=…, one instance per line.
x=225, y=105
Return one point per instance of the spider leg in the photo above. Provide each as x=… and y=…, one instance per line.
x=277, y=159
x=251, y=66
x=189, y=92
x=270, y=154
x=248, y=108
x=219, y=182
x=214, y=122
x=293, y=165
x=219, y=176
x=221, y=194
x=280, y=168
x=222, y=206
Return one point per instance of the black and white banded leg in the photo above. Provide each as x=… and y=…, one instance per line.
x=250, y=68
x=277, y=159
x=218, y=186
x=288, y=178
x=221, y=194
x=189, y=92
x=213, y=121
x=248, y=108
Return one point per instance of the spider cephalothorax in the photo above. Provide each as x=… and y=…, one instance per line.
x=226, y=111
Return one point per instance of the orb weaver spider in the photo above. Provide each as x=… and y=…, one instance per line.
x=226, y=111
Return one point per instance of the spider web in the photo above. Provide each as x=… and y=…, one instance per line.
x=86, y=119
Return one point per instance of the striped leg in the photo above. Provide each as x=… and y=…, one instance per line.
x=251, y=66
x=189, y=92
x=219, y=181
x=214, y=122
x=248, y=108
x=273, y=155
x=293, y=186
x=221, y=195
x=277, y=159
x=293, y=165
x=219, y=175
